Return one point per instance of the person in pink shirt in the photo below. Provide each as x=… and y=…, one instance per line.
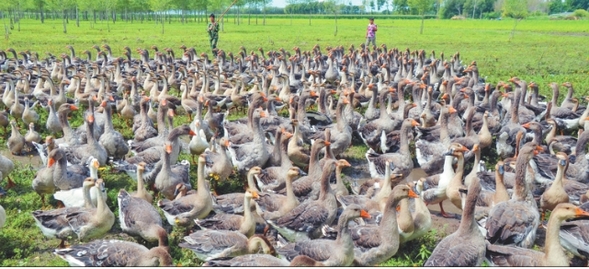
x=371, y=32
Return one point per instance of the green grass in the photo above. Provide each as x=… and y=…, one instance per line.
x=541, y=50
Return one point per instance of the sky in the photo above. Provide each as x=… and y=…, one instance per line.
x=282, y=3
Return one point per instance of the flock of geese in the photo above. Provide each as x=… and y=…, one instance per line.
x=419, y=111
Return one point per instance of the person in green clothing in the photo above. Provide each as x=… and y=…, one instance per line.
x=213, y=29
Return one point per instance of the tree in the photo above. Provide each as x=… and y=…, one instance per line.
x=421, y=6
x=577, y=4
x=516, y=9
x=159, y=6
x=476, y=8
x=556, y=6
x=400, y=7
x=333, y=6
x=452, y=8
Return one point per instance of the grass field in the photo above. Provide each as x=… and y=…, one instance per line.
x=541, y=50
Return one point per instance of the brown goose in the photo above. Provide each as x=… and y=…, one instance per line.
x=81, y=154
x=338, y=252
x=245, y=224
x=556, y=193
x=262, y=260
x=500, y=194
x=183, y=210
x=401, y=160
x=116, y=253
x=275, y=206
x=502, y=225
x=218, y=162
x=305, y=220
x=16, y=142
x=211, y=244
x=169, y=177
x=553, y=254
x=466, y=246
x=232, y=203
x=138, y=217
x=376, y=244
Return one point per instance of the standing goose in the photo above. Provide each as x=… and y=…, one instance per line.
x=52, y=124
x=466, y=246
x=65, y=177
x=141, y=191
x=500, y=194
x=193, y=206
x=401, y=160
x=376, y=244
x=515, y=221
x=254, y=153
x=54, y=223
x=80, y=155
x=421, y=217
x=138, y=217
x=338, y=252
x=556, y=193
x=167, y=179
x=6, y=167
x=218, y=163
x=553, y=254
x=112, y=141
x=74, y=197
x=32, y=136
x=29, y=115
x=305, y=220
x=16, y=142
x=245, y=224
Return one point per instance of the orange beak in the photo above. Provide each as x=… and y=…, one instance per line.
x=169, y=149
x=580, y=212
x=527, y=125
x=412, y=194
x=50, y=162
x=192, y=133
x=414, y=123
x=327, y=143
x=73, y=107
x=452, y=110
x=364, y=214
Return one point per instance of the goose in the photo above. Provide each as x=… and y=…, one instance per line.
x=29, y=115
x=2, y=217
x=305, y=220
x=56, y=223
x=258, y=260
x=6, y=167
x=194, y=206
x=141, y=191
x=556, y=193
x=501, y=224
x=466, y=246
x=338, y=252
x=245, y=224
x=254, y=153
x=218, y=163
x=198, y=143
x=138, y=217
x=553, y=254
x=16, y=142
x=81, y=154
x=401, y=159
x=116, y=253
x=274, y=206
x=112, y=141
x=167, y=179
x=212, y=244
x=74, y=197
x=32, y=136
x=421, y=217
x=65, y=177
x=232, y=203
x=376, y=244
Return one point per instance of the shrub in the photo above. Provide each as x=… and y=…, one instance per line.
x=492, y=15
x=581, y=13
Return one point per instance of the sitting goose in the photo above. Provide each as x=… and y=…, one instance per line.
x=254, y=153
x=259, y=260
x=553, y=254
x=81, y=154
x=211, y=244
x=338, y=252
x=138, y=217
x=232, y=203
x=65, y=177
x=141, y=191
x=466, y=246
x=167, y=179
x=218, y=163
x=116, y=253
x=556, y=193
